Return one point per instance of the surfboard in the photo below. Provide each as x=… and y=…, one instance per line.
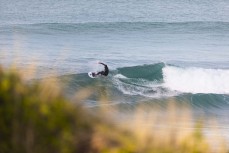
x=91, y=76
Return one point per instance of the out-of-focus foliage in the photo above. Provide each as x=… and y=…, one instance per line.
x=36, y=118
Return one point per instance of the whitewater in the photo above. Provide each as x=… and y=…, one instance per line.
x=196, y=80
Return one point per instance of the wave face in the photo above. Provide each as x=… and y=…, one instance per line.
x=147, y=72
x=143, y=80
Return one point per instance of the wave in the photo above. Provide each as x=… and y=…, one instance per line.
x=200, y=87
x=172, y=78
x=156, y=27
x=159, y=80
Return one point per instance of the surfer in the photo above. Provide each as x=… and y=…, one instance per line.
x=105, y=72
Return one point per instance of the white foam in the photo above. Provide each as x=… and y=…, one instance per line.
x=196, y=80
x=120, y=76
x=141, y=87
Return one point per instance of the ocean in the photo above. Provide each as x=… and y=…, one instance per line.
x=156, y=50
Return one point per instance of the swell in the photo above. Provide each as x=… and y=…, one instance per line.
x=157, y=27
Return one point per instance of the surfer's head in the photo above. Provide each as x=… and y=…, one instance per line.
x=93, y=74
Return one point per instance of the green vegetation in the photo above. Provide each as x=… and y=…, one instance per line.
x=36, y=118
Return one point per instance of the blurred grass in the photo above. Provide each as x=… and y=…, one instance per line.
x=35, y=117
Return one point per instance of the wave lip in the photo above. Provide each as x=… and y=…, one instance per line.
x=196, y=80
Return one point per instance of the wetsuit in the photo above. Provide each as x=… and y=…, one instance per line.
x=105, y=72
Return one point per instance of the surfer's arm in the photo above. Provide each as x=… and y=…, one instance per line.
x=102, y=64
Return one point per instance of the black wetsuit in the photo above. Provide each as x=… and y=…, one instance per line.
x=105, y=72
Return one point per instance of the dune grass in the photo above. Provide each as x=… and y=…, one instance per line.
x=35, y=117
